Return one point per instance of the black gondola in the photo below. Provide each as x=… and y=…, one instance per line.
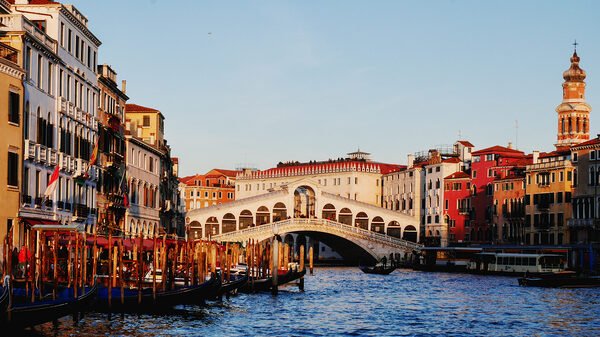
x=25, y=314
x=4, y=296
x=566, y=279
x=164, y=299
x=380, y=270
x=237, y=281
x=265, y=284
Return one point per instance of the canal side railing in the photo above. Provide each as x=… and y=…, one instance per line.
x=301, y=224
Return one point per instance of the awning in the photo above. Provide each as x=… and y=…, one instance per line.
x=33, y=222
x=56, y=228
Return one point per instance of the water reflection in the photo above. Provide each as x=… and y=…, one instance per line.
x=344, y=301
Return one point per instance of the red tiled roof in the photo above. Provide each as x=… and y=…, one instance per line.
x=359, y=166
x=37, y=2
x=451, y=160
x=229, y=173
x=458, y=175
x=499, y=149
x=590, y=142
x=138, y=108
x=466, y=143
x=557, y=153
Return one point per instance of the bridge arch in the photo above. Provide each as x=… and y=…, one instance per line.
x=378, y=225
x=345, y=216
x=328, y=212
x=229, y=223
x=263, y=216
x=279, y=211
x=394, y=229
x=246, y=219
x=362, y=220
x=195, y=230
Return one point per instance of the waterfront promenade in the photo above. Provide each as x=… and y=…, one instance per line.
x=344, y=301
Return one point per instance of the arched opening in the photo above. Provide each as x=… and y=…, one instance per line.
x=195, y=230
x=328, y=212
x=279, y=212
x=394, y=229
x=351, y=253
x=410, y=233
x=263, y=216
x=211, y=227
x=377, y=225
x=345, y=216
x=229, y=223
x=362, y=220
x=246, y=219
x=304, y=202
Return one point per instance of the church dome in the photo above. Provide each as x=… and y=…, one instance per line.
x=574, y=73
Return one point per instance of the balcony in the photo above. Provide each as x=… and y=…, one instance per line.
x=60, y=205
x=583, y=223
x=38, y=202
x=543, y=207
x=464, y=210
x=8, y=53
x=81, y=211
x=26, y=200
x=18, y=22
x=113, y=159
x=52, y=157
x=29, y=149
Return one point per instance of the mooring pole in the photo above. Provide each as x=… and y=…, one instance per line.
x=275, y=268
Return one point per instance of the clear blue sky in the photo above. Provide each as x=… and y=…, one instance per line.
x=260, y=82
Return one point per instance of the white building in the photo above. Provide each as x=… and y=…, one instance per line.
x=60, y=124
x=143, y=177
x=354, y=177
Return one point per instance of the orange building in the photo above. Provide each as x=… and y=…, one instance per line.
x=213, y=188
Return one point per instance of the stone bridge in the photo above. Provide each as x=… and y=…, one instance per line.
x=301, y=207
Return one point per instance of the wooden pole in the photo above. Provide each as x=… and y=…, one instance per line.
x=310, y=259
x=140, y=267
x=110, y=267
x=95, y=256
x=164, y=263
x=301, y=269
x=275, y=269
x=154, y=257
x=84, y=258
x=121, y=281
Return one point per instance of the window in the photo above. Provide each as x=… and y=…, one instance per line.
x=146, y=121
x=13, y=169
x=49, y=78
x=592, y=155
x=13, y=107
x=490, y=173
x=62, y=34
x=77, y=46
x=561, y=176
x=474, y=174
x=489, y=157
x=575, y=157
x=39, y=71
x=437, y=169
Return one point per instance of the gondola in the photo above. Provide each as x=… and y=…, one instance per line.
x=566, y=279
x=163, y=300
x=4, y=296
x=265, y=284
x=25, y=314
x=237, y=281
x=379, y=270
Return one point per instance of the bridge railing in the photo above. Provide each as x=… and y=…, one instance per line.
x=280, y=226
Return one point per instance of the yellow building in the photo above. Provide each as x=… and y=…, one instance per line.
x=11, y=136
x=147, y=123
x=548, y=207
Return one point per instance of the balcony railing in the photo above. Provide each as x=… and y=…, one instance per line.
x=583, y=222
x=38, y=202
x=26, y=200
x=60, y=205
x=48, y=203
x=81, y=211
x=9, y=53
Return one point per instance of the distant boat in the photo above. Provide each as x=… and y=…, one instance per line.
x=380, y=270
x=565, y=279
x=4, y=296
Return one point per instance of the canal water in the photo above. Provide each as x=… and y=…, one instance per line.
x=346, y=302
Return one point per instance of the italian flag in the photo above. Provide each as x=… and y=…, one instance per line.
x=52, y=183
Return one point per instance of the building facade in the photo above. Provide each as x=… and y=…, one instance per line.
x=584, y=226
x=111, y=151
x=457, y=206
x=11, y=141
x=354, y=177
x=213, y=188
x=509, y=205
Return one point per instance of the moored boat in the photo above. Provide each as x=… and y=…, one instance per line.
x=24, y=314
x=565, y=279
x=146, y=301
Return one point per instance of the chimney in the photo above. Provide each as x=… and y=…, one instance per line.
x=510, y=145
x=410, y=161
x=124, y=86
x=139, y=132
x=536, y=156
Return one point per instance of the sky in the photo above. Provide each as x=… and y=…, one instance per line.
x=253, y=83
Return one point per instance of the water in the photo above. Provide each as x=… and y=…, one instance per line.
x=344, y=301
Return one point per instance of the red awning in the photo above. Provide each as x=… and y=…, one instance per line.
x=33, y=221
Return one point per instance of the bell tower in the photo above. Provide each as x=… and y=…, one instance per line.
x=573, y=112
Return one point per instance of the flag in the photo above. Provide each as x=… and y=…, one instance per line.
x=123, y=187
x=93, y=159
x=52, y=183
